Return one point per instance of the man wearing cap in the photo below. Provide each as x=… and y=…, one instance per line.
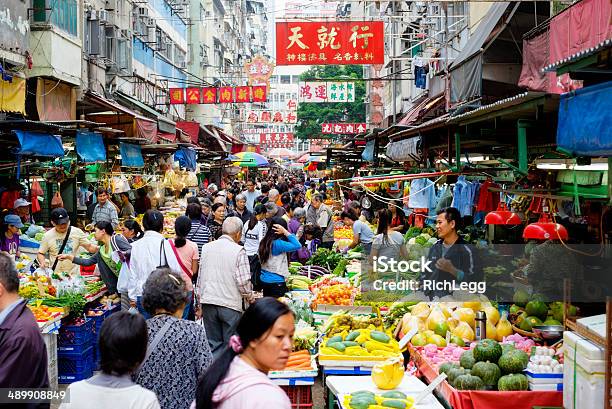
x=22, y=209
x=105, y=210
x=9, y=241
x=53, y=241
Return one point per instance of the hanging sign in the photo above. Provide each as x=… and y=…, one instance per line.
x=259, y=70
x=268, y=117
x=343, y=129
x=221, y=95
x=330, y=43
x=326, y=91
x=276, y=140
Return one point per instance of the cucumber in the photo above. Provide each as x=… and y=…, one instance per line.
x=380, y=336
x=338, y=346
x=350, y=344
x=361, y=402
x=394, y=395
x=352, y=336
x=336, y=338
x=394, y=403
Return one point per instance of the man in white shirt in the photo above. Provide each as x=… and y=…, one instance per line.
x=149, y=253
x=251, y=195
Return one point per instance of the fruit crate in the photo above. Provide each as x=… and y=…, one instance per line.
x=76, y=334
x=75, y=366
x=300, y=396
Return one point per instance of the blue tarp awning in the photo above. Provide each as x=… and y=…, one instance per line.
x=39, y=144
x=186, y=157
x=584, y=121
x=368, y=152
x=90, y=147
x=131, y=155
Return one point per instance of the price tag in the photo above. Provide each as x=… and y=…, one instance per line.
x=406, y=338
x=427, y=391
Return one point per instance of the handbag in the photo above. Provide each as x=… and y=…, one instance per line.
x=162, y=250
x=62, y=247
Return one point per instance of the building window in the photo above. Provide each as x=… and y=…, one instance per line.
x=295, y=79
x=285, y=79
x=274, y=79
x=61, y=13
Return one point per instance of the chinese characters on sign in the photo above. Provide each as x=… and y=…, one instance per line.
x=327, y=92
x=259, y=70
x=330, y=43
x=222, y=95
x=275, y=140
x=267, y=117
x=343, y=129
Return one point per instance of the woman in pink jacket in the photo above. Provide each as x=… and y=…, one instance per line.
x=239, y=377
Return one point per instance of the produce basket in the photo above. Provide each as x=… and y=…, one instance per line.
x=75, y=367
x=523, y=333
x=300, y=396
x=76, y=334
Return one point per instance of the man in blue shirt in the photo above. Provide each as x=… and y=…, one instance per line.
x=251, y=194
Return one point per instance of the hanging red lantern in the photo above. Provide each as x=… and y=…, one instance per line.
x=545, y=229
x=502, y=216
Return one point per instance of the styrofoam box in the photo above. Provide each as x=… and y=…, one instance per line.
x=544, y=378
x=545, y=386
x=596, y=323
x=583, y=373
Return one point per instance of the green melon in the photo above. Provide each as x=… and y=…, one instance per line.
x=520, y=298
x=453, y=373
x=487, y=350
x=551, y=321
x=515, y=309
x=447, y=366
x=513, y=382
x=467, y=360
x=530, y=322
x=514, y=361
x=536, y=309
x=488, y=372
x=469, y=382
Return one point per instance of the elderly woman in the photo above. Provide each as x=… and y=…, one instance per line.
x=297, y=217
x=178, y=352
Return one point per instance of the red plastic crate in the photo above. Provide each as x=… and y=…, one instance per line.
x=88, y=270
x=300, y=396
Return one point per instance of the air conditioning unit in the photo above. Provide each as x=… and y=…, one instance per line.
x=151, y=34
x=142, y=11
x=110, y=5
x=92, y=15
x=150, y=21
x=182, y=64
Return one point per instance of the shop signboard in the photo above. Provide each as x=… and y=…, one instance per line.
x=221, y=95
x=343, y=128
x=271, y=117
x=330, y=42
x=259, y=70
x=318, y=91
x=276, y=140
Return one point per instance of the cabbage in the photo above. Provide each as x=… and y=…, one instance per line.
x=427, y=236
x=412, y=240
x=421, y=240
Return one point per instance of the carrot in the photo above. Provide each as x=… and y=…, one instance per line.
x=302, y=352
x=306, y=365
x=297, y=361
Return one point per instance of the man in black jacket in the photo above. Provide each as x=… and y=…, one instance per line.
x=23, y=354
x=452, y=259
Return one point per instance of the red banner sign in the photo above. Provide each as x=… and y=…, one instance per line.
x=343, y=129
x=222, y=95
x=276, y=140
x=266, y=117
x=330, y=43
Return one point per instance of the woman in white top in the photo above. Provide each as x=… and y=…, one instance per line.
x=253, y=233
x=388, y=244
x=123, y=347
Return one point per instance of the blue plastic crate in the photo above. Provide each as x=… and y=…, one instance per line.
x=96, y=357
x=71, y=351
x=71, y=378
x=75, y=364
x=76, y=334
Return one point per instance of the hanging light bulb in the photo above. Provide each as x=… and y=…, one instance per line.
x=502, y=216
x=545, y=229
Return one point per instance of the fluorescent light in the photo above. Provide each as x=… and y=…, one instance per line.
x=592, y=166
x=569, y=164
x=552, y=166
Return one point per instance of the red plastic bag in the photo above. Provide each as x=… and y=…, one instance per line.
x=36, y=189
x=57, y=201
x=35, y=204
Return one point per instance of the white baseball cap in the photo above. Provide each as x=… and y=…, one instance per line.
x=21, y=203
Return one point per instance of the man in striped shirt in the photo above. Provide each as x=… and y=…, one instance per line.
x=105, y=210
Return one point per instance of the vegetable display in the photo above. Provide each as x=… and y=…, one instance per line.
x=325, y=258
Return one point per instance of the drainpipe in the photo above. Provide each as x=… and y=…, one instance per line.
x=523, y=161
x=457, y=151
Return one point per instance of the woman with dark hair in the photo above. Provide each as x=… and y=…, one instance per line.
x=123, y=347
x=111, y=254
x=142, y=202
x=253, y=233
x=398, y=217
x=215, y=223
x=230, y=200
x=150, y=252
x=388, y=243
x=199, y=233
x=178, y=350
x=131, y=230
x=186, y=252
x=273, y=251
x=239, y=376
